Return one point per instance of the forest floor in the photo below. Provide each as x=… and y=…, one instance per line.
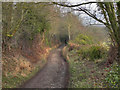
x=53, y=75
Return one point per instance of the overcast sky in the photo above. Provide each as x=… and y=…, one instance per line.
x=85, y=18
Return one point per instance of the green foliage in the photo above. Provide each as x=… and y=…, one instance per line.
x=96, y=52
x=83, y=39
x=34, y=22
x=113, y=77
x=93, y=52
x=83, y=52
x=83, y=73
x=78, y=72
x=22, y=22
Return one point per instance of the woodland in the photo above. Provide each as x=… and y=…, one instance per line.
x=32, y=30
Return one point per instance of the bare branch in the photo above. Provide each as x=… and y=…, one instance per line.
x=86, y=11
x=73, y=5
x=90, y=14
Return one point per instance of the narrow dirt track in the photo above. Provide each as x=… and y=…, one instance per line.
x=53, y=75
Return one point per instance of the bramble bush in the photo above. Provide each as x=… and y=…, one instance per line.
x=83, y=40
x=88, y=49
x=97, y=52
x=93, y=52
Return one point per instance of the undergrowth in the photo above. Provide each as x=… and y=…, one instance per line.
x=92, y=52
x=83, y=39
x=112, y=79
x=84, y=73
x=86, y=58
x=17, y=69
x=13, y=81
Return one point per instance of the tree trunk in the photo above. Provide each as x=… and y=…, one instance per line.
x=69, y=26
x=118, y=56
x=118, y=11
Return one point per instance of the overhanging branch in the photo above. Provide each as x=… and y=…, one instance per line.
x=90, y=14
x=64, y=5
x=83, y=10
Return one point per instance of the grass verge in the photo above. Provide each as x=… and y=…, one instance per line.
x=83, y=73
x=14, y=81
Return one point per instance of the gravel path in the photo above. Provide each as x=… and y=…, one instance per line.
x=53, y=75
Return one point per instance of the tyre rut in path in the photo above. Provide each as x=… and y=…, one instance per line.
x=53, y=75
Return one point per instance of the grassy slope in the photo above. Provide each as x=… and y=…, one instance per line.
x=14, y=81
x=83, y=73
x=18, y=72
x=18, y=69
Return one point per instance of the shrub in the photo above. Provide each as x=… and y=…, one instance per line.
x=96, y=52
x=93, y=52
x=83, y=39
x=83, y=52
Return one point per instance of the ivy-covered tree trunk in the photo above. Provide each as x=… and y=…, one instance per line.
x=7, y=24
x=113, y=23
x=118, y=12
